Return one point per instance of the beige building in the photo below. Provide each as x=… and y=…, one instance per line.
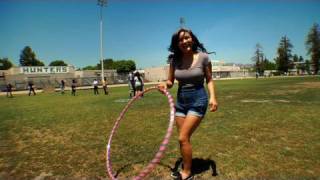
x=156, y=74
x=219, y=70
x=222, y=70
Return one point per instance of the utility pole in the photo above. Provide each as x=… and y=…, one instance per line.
x=101, y=3
x=182, y=22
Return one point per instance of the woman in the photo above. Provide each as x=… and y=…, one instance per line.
x=138, y=83
x=189, y=65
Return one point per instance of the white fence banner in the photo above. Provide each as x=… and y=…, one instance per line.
x=44, y=69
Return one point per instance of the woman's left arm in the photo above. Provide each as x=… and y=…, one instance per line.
x=213, y=104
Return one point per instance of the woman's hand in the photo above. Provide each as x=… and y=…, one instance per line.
x=213, y=104
x=162, y=86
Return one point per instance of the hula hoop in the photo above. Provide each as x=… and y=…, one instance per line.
x=156, y=159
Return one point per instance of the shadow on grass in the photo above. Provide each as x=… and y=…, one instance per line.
x=128, y=165
x=199, y=166
x=125, y=167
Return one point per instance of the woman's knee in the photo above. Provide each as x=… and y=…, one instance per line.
x=183, y=139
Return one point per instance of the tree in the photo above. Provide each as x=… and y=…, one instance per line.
x=5, y=64
x=313, y=47
x=58, y=63
x=269, y=65
x=122, y=66
x=308, y=64
x=299, y=63
x=258, y=59
x=284, y=55
x=302, y=65
x=295, y=61
x=125, y=66
x=107, y=64
x=90, y=68
x=28, y=58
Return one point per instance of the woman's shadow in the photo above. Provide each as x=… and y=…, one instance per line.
x=198, y=166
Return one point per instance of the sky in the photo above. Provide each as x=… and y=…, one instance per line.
x=141, y=30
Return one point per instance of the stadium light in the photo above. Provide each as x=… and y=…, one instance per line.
x=101, y=3
x=182, y=22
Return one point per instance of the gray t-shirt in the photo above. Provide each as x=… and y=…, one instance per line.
x=193, y=75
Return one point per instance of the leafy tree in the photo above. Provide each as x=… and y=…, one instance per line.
x=298, y=62
x=284, y=55
x=258, y=59
x=58, y=63
x=28, y=58
x=269, y=65
x=307, y=66
x=124, y=66
x=301, y=59
x=107, y=64
x=295, y=58
x=313, y=46
x=295, y=61
x=131, y=65
x=5, y=64
x=302, y=66
x=90, y=68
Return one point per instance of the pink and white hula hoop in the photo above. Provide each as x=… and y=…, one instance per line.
x=156, y=159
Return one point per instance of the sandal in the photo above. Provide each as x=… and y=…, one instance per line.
x=190, y=177
x=177, y=176
x=177, y=168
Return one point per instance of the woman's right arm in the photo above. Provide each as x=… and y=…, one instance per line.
x=170, y=80
x=169, y=83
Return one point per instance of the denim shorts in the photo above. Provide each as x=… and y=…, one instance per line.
x=191, y=101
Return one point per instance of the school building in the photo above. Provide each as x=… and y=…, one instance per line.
x=49, y=77
x=219, y=70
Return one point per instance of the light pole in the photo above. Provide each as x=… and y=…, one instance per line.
x=182, y=22
x=101, y=3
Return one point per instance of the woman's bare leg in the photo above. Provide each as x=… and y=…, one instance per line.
x=186, y=126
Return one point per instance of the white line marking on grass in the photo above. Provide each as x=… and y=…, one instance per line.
x=122, y=100
x=264, y=101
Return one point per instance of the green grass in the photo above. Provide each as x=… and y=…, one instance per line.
x=264, y=129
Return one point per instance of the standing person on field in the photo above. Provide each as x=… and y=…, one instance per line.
x=138, y=83
x=189, y=65
x=131, y=84
x=73, y=87
x=31, y=88
x=95, y=87
x=104, y=86
x=62, y=86
x=9, y=90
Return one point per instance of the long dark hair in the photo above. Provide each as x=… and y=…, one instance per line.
x=138, y=76
x=176, y=53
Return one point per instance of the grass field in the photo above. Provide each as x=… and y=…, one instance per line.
x=264, y=129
